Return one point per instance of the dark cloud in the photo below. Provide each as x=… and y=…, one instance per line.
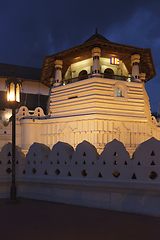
x=32, y=29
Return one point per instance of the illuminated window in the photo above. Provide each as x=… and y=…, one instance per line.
x=119, y=92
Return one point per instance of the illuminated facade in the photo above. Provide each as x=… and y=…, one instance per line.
x=97, y=93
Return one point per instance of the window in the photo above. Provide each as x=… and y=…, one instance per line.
x=108, y=73
x=82, y=75
x=119, y=92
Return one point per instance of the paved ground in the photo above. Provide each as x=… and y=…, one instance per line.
x=32, y=219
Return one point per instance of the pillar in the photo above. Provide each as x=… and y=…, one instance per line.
x=135, y=59
x=96, y=52
x=58, y=72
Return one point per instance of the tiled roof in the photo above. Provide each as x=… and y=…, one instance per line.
x=20, y=71
x=97, y=36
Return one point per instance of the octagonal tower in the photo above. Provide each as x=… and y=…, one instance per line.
x=101, y=94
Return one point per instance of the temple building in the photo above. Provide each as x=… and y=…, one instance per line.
x=97, y=93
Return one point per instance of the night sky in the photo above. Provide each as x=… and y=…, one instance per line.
x=32, y=29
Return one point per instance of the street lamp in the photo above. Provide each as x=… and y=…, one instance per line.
x=13, y=86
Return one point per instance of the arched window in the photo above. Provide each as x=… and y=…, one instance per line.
x=108, y=73
x=82, y=75
x=119, y=92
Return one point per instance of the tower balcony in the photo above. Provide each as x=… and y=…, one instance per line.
x=100, y=75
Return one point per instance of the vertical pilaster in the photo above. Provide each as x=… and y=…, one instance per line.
x=135, y=59
x=58, y=72
x=96, y=53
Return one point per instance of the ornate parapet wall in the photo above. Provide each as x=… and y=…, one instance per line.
x=111, y=180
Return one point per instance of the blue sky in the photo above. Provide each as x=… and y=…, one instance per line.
x=32, y=29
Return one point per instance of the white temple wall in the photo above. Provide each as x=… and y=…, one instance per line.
x=5, y=134
x=83, y=177
x=98, y=132
x=96, y=115
x=98, y=95
x=35, y=87
x=73, y=131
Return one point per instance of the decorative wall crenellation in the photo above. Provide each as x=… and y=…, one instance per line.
x=63, y=162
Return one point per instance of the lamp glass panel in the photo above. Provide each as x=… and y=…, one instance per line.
x=12, y=92
x=8, y=95
x=17, y=93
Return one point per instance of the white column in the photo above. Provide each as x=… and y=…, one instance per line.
x=58, y=72
x=135, y=59
x=96, y=53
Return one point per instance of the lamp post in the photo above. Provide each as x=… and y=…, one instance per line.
x=13, y=86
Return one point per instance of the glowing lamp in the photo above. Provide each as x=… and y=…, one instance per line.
x=13, y=86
